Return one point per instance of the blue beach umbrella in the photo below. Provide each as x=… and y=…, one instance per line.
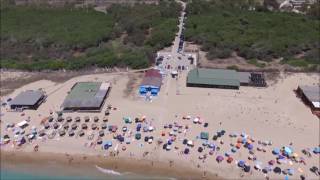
x=241, y=163
x=287, y=151
x=276, y=151
x=234, y=150
x=316, y=150
x=250, y=146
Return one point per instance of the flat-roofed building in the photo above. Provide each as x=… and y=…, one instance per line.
x=86, y=96
x=29, y=99
x=310, y=96
x=213, y=78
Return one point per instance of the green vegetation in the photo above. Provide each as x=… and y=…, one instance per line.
x=38, y=38
x=223, y=26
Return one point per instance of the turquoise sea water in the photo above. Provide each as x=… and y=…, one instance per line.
x=15, y=175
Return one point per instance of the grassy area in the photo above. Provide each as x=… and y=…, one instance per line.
x=37, y=38
x=222, y=27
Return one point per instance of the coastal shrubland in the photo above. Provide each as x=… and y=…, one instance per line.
x=253, y=32
x=41, y=37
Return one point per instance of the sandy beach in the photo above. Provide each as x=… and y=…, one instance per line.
x=271, y=114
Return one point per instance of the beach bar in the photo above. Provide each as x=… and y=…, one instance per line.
x=213, y=78
x=310, y=95
x=151, y=83
x=86, y=96
x=29, y=99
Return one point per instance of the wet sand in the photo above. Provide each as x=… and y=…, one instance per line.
x=81, y=164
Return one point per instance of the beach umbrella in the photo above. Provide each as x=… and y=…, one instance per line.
x=62, y=132
x=95, y=118
x=84, y=126
x=99, y=140
x=101, y=133
x=211, y=152
x=190, y=143
x=50, y=118
x=168, y=147
x=219, y=158
x=276, y=151
x=55, y=125
x=105, y=119
x=86, y=119
x=71, y=133
x=80, y=133
x=184, y=141
x=277, y=170
x=211, y=146
x=138, y=136
x=150, y=128
x=229, y=160
x=93, y=126
x=196, y=120
x=246, y=168
x=271, y=162
x=65, y=125
x=69, y=119
x=257, y=165
x=290, y=171
x=103, y=126
x=227, y=154
x=77, y=119
x=42, y=133
x=250, y=146
x=215, y=137
x=287, y=151
x=241, y=163
x=316, y=150
x=150, y=140
x=233, y=150
x=200, y=149
x=74, y=126
x=186, y=151
x=238, y=145
x=60, y=119
x=46, y=125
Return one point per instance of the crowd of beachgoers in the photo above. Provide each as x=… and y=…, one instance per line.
x=286, y=161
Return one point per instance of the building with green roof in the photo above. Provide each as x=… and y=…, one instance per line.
x=213, y=78
x=86, y=96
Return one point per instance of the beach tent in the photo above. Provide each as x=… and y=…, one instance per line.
x=204, y=135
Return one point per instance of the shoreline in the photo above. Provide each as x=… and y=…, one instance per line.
x=72, y=164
